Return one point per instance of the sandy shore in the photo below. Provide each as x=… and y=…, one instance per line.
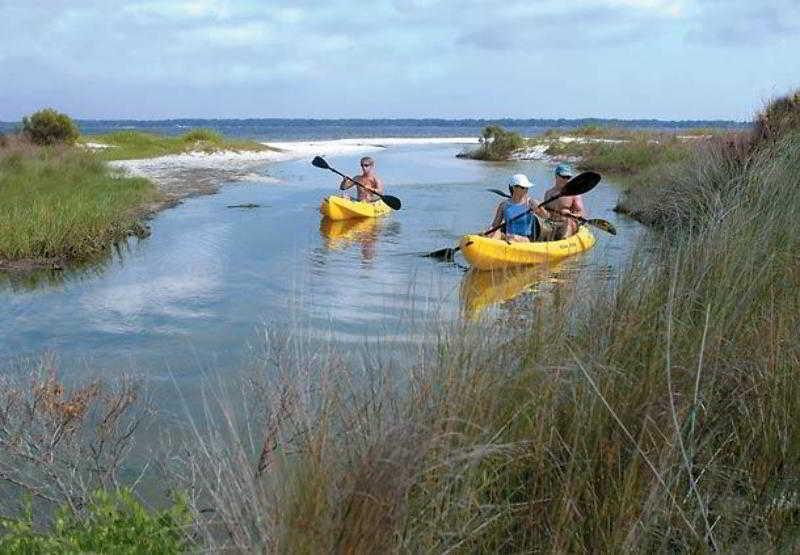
x=198, y=173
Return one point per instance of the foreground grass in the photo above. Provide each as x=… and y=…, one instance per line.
x=658, y=415
x=128, y=145
x=65, y=204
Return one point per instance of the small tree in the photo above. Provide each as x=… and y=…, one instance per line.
x=498, y=143
x=48, y=127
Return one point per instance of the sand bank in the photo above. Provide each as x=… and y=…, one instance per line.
x=197, y=173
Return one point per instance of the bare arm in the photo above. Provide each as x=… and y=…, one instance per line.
x=534, y=205
x=498, y=215
x=345, y=184
x=577, y=207
x=378, y=185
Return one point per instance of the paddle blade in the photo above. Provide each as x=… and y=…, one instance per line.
x=499, y=192
x=443, y=254
x=320, y=162
x=392, y=202
x=580, y=184
x=604, y=225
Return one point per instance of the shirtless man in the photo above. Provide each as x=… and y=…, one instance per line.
x=564, y=227
x=368, y=178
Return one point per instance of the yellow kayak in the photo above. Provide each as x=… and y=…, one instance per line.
x=340, y=208
x=491, y=254
x=480, y=289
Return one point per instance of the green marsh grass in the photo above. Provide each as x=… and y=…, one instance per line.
x=63, y=203
x=637, y=152
x=127, y=145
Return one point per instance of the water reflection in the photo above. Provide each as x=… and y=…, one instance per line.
x=481, y=289
x=340, y=234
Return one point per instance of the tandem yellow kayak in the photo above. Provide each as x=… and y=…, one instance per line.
x=340, y=208
x=492, y=254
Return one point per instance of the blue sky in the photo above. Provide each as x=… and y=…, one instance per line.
x=148, y=59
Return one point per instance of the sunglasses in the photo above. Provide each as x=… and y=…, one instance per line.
x=366, y=165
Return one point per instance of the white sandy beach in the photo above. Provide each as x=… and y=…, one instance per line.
x=182, y=175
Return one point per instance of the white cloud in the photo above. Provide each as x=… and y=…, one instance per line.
x=191, y=9
x=241, y=34
x=671, y=8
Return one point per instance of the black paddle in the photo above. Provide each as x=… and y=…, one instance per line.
x=595, y=222
x=390, y=201
x=578, y=185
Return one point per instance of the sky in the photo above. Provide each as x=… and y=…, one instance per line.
x=149, y=59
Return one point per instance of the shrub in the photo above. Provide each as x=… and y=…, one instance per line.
x=48, y=127
x=3, y=140
x=777, y=119
x=498, y=144
x=202, y=135
x=114, y=522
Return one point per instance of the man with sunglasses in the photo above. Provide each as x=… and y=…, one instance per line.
x=559, y=209
x=368, y=178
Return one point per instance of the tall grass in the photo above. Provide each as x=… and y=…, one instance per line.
x=126, y=145
x=64, y=204
x=659, y=414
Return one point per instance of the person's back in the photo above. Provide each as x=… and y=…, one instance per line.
x=368, y=178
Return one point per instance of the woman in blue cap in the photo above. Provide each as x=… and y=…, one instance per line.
x=518, y=227
x=561, y=207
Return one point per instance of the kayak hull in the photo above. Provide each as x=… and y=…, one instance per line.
x=340, y=208
x=492, y=254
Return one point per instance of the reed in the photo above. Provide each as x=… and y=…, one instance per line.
x=65, y=204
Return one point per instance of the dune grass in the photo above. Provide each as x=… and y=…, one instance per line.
x=658, y=414
x=65, y=204
x=127, y=145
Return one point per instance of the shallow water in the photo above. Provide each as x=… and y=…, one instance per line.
x=199, y=292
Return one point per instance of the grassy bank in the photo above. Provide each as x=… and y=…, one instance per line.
x=129, y=145
x=623, y=152
x=63, y=204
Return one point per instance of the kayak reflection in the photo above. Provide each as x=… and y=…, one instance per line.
x=339, y=234
x=481, y=289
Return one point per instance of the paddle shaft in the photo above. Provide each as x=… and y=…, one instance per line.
x=599, y=224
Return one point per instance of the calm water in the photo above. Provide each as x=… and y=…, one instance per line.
x=305, y=129
x=200, y=291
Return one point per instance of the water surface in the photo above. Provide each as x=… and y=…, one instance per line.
x=198, y=293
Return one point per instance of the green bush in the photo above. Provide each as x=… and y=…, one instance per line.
x=114, y=523
x=202, y=135
x=498, y=144
x=48, y=127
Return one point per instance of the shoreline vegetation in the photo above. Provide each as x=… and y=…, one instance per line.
x=657, y=414
x=137, y=145
x=68, y=199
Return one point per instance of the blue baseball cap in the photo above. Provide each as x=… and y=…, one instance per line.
x=564, y=170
